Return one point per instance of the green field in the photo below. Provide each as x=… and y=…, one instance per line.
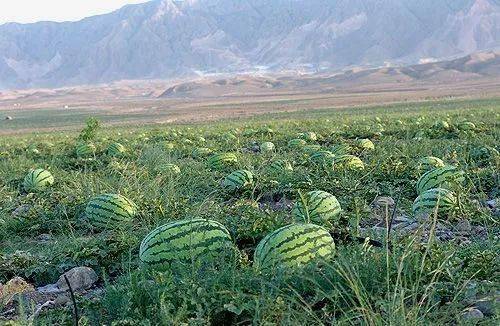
x=432, y=270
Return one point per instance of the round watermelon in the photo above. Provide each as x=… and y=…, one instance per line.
x=319, y=206
x=348, y=162
x=432, y=200
x=116, y=149
x=365, y=144
x=185, y=242
x=238, y=180
x=37, y=180
x=110, y=211
x=443, y=177
x=292, y=246
x=85, y=150
x=220, y=161
x=296, y=143
x=430, y=162
x=266, y=147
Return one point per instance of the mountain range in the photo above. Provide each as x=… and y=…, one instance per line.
x=166, y=39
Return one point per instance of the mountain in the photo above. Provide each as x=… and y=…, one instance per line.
x=167, y=39
x=478, y=66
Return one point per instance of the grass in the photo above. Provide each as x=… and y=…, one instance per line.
x=405, y=282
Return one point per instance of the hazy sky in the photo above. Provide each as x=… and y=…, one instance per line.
x=28, y=11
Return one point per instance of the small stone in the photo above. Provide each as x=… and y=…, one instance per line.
x=472, y=314
x=8, y=117
x=492, y=204
x=62, y=300
x=488, y=305
x=80, y=278
x=44, y=237
x=383, y=201
x=463, y=226
x=21, y=211
x=15, y=286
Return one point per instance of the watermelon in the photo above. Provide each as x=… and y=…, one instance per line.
x=365, y=144
x=219, y=161
x=280, y=166
x=201, y=151
x=348, y=162
x=309, y=136
x=293, y=246
x=310, y=149
x=85, y=150
x=466, y=126
x=442, y=124
x=110, y=211
x=266, y=147
x=484, y=154
x=442, y=200
x=116, y=149
x=170, y=168
x=37, y=180
x=318, y=205
x=238, y=180
x=341, y=149
x=321, y=157
x=430, y=162
x=443, y=177
x=185, y=242
x=296, y=143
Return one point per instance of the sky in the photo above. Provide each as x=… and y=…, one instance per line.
x=29, y=11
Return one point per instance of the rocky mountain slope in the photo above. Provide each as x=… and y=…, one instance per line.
x=167, y=38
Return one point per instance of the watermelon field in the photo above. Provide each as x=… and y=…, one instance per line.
x=383, y=215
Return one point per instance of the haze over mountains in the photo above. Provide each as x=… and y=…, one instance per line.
x=169, y=39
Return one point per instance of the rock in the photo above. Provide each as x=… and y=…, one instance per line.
x=44, y=237
x=8, y=117
x=383, y=201
x=15, y=286
x=21, y=211
x=80, y=278
x=62, y=300
x=488, y=304
x=471, y=314
x=492, y=204
x=463, y=226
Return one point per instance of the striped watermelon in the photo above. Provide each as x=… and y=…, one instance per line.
x=442, y=124
x=238, y=180
x=116, y=149
x=266, y=147
x=318, y=205
x=219, y=161
x=110, y=211
x=37, y=180
x=429, y=163
x=321, y=157
x=296, y=143
x=442, y=200
x=170, y=168
x=309, y=136
x=348, y=162
x=310, y=149
x=466, y=126
x=184, y=242
x=365, y=144
x=341, y=149
x=85, y=150
x=292, y=246
x=201, y=151
x=280, y=166
x=484, y=154
x=444, y=177
x=168, y=146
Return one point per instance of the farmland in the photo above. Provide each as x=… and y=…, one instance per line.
x=392, y=261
